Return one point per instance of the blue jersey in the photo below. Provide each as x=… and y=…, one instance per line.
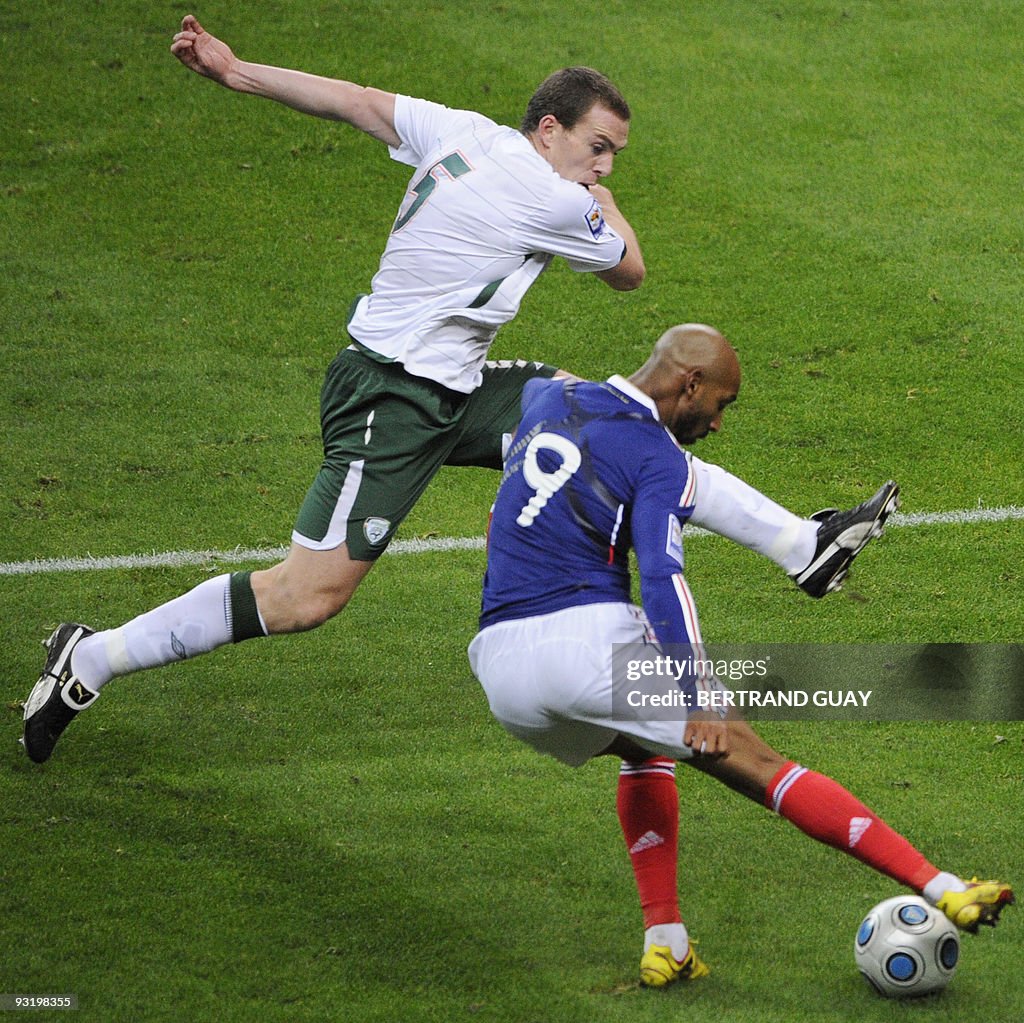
x=591, y=472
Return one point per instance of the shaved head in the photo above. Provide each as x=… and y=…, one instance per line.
x=691, y=375
x=694, y=346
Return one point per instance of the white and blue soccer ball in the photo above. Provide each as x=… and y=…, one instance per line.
x=905, y=947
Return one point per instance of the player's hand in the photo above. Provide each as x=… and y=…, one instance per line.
x=203, y=53
x=602, y=194
x=707, y=734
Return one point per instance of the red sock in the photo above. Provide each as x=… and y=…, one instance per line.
x=823, y=809
x=648, y=806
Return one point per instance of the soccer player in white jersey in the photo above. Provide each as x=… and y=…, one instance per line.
x=488, y=208
x=594, y=470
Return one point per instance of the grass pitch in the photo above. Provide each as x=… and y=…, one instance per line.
x=330, y=825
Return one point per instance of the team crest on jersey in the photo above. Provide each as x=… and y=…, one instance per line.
x=674, y=540
x=595, y=219
x=375, y=529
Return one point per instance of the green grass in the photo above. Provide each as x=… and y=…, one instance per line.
x=330, y=825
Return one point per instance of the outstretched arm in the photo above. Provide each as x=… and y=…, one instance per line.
x=369, y=110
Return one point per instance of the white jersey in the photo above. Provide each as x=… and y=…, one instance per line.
x=484, y=216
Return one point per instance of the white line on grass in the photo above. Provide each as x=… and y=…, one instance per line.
x=183, y=559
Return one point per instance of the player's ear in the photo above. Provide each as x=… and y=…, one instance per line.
x=694, y=380
x=547, y=126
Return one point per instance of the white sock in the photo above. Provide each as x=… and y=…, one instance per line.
x=733, y=509
x=672, y=935
x=194, y=623
x=940, y=883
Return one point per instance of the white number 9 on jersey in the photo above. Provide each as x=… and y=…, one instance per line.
x=546, y=484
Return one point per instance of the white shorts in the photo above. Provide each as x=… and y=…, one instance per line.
x=549, y=681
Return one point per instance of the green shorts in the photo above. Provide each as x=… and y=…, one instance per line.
x=386, y=433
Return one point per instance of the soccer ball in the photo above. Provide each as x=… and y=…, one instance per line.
x=904, y=947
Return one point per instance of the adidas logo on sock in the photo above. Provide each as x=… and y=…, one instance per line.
x=858, y=825
x=646, y=841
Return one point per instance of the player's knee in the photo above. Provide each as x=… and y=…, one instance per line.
x=318, y=607
x=289, y=602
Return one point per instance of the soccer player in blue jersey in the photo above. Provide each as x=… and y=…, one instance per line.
x=594, y=470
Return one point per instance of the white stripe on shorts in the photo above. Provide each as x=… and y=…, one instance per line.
x=338, y=528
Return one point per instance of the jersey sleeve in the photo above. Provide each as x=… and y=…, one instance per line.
x=421, y=124
x=663, y=502
x=572, y=226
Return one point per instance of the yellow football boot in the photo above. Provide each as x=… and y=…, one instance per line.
x=981, y=903
x=659, y=967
